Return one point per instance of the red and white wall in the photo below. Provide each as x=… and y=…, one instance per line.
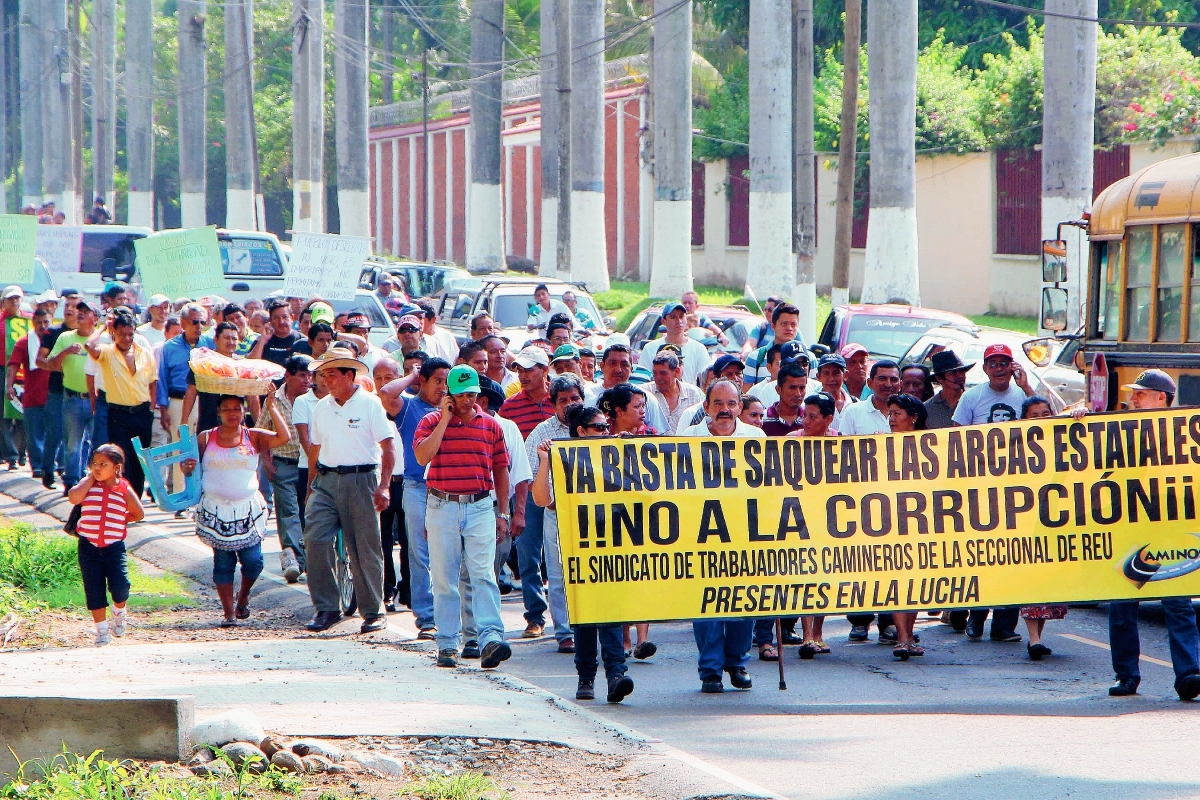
x=399, y=224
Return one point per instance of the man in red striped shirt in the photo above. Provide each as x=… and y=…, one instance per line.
x=467, y=458
x=532, y=404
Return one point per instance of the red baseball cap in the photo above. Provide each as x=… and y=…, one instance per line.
x=997, y=350
x=851, y=349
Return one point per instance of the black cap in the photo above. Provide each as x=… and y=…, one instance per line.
x=1154, y=380
x=492, y=391
x=832, y=359
x=947, y=361
x=791, y=352
x=725, y=362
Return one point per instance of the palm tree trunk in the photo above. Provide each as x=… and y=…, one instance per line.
x=485, y=231
x=139, y=109
x=671, y=265
x=193, y=183
x=104, y=99
x=350, y=104
x=308, y=117
x=239, y=143
x=548, y=255
x=891, y=263
x=770, y=270
x=589, y=251
x=804, y=177
x=1068, y=135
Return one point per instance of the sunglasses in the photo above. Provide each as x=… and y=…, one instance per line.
x=599, y=426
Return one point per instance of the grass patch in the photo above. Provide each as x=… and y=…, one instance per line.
x=464, y=786
x=1025, y=325
x=42, y=569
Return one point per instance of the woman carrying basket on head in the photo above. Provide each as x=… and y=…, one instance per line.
x=231, y=517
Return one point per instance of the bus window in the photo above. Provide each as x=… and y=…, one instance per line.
x=1194, y=310
x=1172, y=262
x=1137, y=287
x=1108, y=263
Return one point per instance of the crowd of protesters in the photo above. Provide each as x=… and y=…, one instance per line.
x=450, y=444
x=48, y=214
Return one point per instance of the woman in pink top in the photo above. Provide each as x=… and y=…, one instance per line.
x=107, y=505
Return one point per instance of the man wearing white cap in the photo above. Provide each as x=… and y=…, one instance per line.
x=155, y=330
x=47, y=301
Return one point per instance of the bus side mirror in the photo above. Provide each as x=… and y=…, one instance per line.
x=1038, y=350
x=1054, y=260
x=1054, y=309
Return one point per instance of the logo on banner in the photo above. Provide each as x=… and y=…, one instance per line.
x=1147, y=565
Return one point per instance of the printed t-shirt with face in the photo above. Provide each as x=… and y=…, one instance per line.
x=981, y=404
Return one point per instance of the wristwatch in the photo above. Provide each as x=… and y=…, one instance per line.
x=505, y=517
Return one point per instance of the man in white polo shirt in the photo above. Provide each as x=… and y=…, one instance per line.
x=353, y=444
x=870, y=416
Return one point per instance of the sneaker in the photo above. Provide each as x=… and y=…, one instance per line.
x=567, y=645
x=470, y=649
x=290, y=565
x=427, y=634
x=858, y=633
x=619, y=688
x=118, y=624
x=586, y=690
x=493, y=654
x=103, y=637
x=533, y=631
x=712, y=685
x=447, y=658
x=889, y=635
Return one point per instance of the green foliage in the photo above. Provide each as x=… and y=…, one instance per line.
x=68, y=776
x=1146, y=86
x=464, y=786
x=1010, y=95
x=32, y=561
x=727, y=119
x=946, y=100
x=827, y=102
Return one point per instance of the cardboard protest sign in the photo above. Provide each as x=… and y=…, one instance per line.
x=325, y=265
x=18, y=246
x=1041, y=511
x=61, y=247
x=183, y=263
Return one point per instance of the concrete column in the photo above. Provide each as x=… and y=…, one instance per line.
x=485, y=230
x=193, y=182
x=104, y=98
x=308, y=117
x=239, y=108
x=350, y=62
x=30, y=60
x=548, y=255
x=139, y=109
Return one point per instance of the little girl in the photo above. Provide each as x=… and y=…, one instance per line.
x=107, y=504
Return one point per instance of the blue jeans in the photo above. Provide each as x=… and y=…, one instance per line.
x=529, y=557
x=77, y=418
x=225, y=563
x=724, y=644
x=606, y=638
x=421, y=592
x=287, y=509
x=54, y=433
x=35, y=436
x=100, y=421
x=554, y=571
x=461, y=532
x=1181, y=635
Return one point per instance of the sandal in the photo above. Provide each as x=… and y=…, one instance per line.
x=808, y=649
x=243, y=612
x=822, y=648
x=901, y=652
x=915, y=649
x=767, y=652
x=229, y=623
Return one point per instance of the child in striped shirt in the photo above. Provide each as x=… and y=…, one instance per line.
x=107, y=505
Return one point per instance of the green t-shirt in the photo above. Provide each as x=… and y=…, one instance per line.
x=74, y=377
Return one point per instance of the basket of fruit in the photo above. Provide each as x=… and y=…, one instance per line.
x=241, y=377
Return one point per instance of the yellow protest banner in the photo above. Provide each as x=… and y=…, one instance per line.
x=1043, y=511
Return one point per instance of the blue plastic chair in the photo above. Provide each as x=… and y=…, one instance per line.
x=154, y=459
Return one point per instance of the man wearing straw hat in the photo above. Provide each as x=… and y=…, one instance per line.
x=353, y=444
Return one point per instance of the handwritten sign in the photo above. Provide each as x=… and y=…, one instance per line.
x=326, y=265
x=18, y=246
x=181, y=263
x=61, y=247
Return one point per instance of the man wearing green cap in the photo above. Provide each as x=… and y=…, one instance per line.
x=467, y=458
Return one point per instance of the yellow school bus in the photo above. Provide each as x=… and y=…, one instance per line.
x=1143, y=285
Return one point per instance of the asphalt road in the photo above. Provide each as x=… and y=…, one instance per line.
x=971, y=719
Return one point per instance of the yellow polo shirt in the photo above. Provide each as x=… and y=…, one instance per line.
x=122, y=388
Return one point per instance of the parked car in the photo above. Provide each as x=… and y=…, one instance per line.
x=887, y=331
x=737, y=322
x=969, y=342
x=417, y=279
x=508, y=300
x=253, y=261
